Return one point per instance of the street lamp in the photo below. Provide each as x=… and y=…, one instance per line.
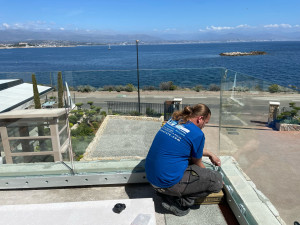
x=138, y=74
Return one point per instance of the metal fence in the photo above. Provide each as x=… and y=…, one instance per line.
x=149, y=109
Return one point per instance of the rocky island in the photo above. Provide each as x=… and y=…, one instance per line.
x=242, y=53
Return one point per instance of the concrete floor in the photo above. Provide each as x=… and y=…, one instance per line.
x=81, y=213
x=209, y=214
x=134, y=137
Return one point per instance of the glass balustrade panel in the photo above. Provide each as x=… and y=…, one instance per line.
x=258, y=127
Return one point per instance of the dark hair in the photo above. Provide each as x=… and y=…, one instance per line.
x=190, y=112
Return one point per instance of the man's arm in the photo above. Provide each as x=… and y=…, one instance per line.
x=213, y=158
x=198, y=162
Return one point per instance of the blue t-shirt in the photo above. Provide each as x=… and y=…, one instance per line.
x=170, y=151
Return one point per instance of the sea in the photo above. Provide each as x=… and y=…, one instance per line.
x=189, y=64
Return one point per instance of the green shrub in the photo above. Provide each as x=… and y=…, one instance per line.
x=129, y=88
x=167, y=86
x=214, y=87
x=103, y=113
x=36, y=95
x=258, y=88
x=149, y=88
x=79, y=145
x=73, y=119
x=90, y=103
x=91, y=113
x=119, y=88
x=79, y=115
x=95, y=125
x=97, y=118
x=37, y=148
x=74, y=111
x=134, y=113
x=108, y=88
x=82, y=130
x=273, y=88
x=47, y=131
x=290, y=116
x=79, y=157
x=151, y=112
x=79, y=105
x=86, y=88
x=98, y=109
x=290, y=121
x=198, y=88
x=71, y=125
x=60, y=90
x=241, y=89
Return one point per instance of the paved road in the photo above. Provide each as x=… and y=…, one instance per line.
x=247, y=110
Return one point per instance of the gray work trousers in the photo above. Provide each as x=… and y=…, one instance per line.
x=196, y=182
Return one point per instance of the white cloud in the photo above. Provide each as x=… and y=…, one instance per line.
x=219, y=28
x=31, y=25
x=246, y=26
x=215, y=28
x=18, y=26
x=243, y=26
x=283, y=25
x=62, y=28
x=170, y=29
x=5, y=25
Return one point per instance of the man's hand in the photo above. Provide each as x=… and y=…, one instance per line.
x=213, y=158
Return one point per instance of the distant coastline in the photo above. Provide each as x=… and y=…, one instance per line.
x=63, y=44
x=39, y=47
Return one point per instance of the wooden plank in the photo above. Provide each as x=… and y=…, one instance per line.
x=213, y=198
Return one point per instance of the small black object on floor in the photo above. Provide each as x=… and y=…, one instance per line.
x=119, y=207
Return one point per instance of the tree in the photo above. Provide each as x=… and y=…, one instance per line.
x=90, y=103
x=60, y=90
x=79, y=105
x=36, y=96
x=129, y=88
x=167, y=86
x=73, y=119
x=273, y=88
x=37, y=105
x=214, y=87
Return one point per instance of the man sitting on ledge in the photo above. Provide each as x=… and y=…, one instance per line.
x=174, y=164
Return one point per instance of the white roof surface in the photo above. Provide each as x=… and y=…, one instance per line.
x=3, y=81
x=13, y=96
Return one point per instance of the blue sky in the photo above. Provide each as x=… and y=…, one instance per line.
x=151, y=16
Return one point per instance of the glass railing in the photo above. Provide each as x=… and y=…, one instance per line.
x=252, y=111
x=112, y=122
x=92, y=99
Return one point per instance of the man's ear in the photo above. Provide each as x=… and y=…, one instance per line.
x=199, y=119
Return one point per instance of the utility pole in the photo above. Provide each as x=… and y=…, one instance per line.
x=138, y=73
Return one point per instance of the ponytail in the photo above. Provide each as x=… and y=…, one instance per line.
x=191, y=111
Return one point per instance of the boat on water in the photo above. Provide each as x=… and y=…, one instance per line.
x=109, y=48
